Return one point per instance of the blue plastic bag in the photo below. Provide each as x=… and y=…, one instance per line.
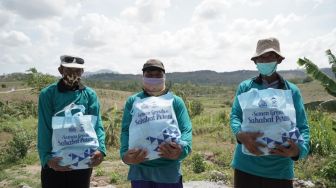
x=74, y=138
x=269, y=111
x=153, y=122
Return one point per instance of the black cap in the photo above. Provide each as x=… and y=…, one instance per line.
x=153, y=64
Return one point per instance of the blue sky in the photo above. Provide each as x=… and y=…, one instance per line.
x=219, y=35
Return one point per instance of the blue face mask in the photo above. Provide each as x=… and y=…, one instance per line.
x=267, y=69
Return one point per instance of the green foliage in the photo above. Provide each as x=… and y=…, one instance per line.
x=332, y=61
x=121, y=85
x=100, y=171
x=313, y=70
x=38, y=80
x=195, y=108
x=3, y=86
x=17, y=110
x=113, y=116
x=198, y=164
x=18, y=147
x=224, y=118
x=329, y=170
x=321, y=134
x=115, y=178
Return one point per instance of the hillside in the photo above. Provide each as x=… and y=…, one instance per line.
x=202, y=77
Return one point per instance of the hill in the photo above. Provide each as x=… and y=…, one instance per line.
x=202, y=77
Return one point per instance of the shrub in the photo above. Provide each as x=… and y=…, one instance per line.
x=115, y=178
x=329, y=170
x=198, y=164
x=17, y=110
x=113, y=116
x=195, y=108
x=321, y=138
x=100, y=171
x=18, y=147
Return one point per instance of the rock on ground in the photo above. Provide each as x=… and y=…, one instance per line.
x=203, y=184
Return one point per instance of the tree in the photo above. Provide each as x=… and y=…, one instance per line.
x=313, y=70
x=328, y=83
x=38, y=80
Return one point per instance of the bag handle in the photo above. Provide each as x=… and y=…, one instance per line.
x=67, y=109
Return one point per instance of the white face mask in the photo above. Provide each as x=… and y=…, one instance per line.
x=267, y=69
x=154, y=85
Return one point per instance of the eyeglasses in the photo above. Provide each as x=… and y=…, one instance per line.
x=70, y=59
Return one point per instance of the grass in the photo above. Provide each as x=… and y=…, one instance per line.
x=5, y=86
x=212, y=140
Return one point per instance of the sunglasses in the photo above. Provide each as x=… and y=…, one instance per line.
x=69, y=59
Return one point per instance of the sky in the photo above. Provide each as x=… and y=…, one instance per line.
x=186, y=35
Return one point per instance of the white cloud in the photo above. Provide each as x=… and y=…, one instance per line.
x=34, y=9
x=219, y=35
x=14, y=38
x=98, y=30
x=146, y=11
x=18, y=59
x=313, y=48
x=4, y=18
x=209, y=10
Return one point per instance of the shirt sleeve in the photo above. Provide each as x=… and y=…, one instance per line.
x=236, y=113
x=301, y=123
x=185, y=126
x=126, y=121
x=44, y=130
x=94, y=109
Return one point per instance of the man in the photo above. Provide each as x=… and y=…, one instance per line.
x=57, y=97
x=253, y=168
x=156, y=132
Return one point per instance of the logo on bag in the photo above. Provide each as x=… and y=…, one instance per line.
x=144, y=106
x=170, y=134
x=262, y=104
x=72, y=129
x=274, y=102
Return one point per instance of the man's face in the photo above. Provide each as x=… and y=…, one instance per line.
x=268, y=57
x=153, y=74
x=71, y=76
x=154, y=80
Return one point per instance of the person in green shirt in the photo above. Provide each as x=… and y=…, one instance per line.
x=55, y=98
x=156, y=132
x=275, y=170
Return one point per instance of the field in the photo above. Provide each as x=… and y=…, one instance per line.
x=213, y=143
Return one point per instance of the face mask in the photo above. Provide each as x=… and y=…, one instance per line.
x=154, y=84
x=71, y=80
x=267, y=69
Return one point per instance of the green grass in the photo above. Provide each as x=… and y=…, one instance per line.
x=5, y=86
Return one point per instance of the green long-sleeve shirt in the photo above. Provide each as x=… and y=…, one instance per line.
x=270, y=166
x=53, y=99
x=159, y=170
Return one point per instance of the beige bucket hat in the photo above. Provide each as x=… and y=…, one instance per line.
x=267, y=45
